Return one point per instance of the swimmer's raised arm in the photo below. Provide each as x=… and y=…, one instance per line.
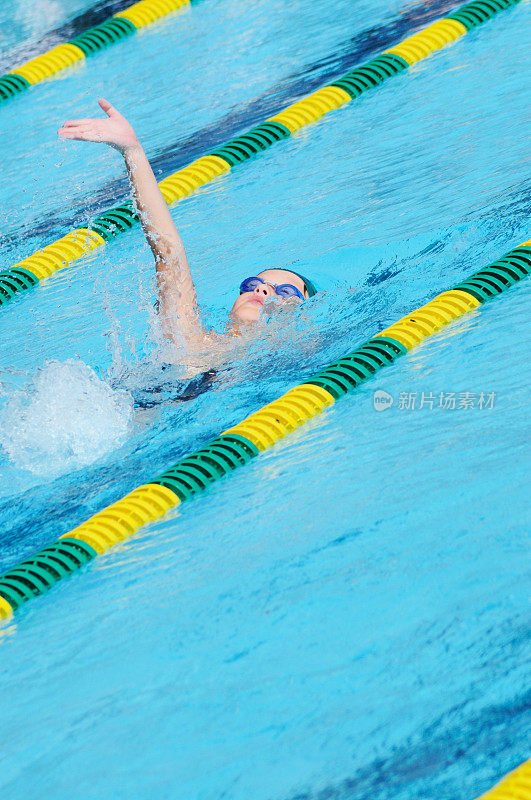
x=177, y=295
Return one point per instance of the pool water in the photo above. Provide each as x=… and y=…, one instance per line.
x=345, y=617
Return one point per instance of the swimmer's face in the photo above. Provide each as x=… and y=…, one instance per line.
x=249, y=305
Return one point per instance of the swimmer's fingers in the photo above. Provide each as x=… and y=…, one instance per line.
x=109, y=109
x=73, y=123
x=105, y=105
x=115, y=130
x=82, y=123
x=81, y=133
x=75, y=128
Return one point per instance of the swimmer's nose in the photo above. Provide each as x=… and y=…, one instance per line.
x=264, y=290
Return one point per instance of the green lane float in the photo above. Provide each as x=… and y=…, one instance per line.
x=249, y=144
x=182, y=183
x=103, y=35
x=12, y=84
x=13, y=280
x=473, y=14
x=122, y=24
x=38, y=573
x=236, y=446
x=347, y=373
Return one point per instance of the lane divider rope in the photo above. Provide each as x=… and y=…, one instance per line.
x=514, y=786
x=117, y=27
x=182, y=183
x=258, y=432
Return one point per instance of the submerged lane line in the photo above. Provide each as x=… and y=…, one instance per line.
x=74, y=245
x=112, y=30
x=258, y=432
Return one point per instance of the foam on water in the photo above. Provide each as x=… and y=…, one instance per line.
x=66, y=418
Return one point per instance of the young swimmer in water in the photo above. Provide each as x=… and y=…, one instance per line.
x=178, y=308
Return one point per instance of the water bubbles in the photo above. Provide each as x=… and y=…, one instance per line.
x=65, y=419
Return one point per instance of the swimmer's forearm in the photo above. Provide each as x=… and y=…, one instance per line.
x=155, y=216
x=177, y=296
x=158, y=225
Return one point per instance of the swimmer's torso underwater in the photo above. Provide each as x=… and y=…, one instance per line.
x=167, y=386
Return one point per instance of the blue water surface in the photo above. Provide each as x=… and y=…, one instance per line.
x=31, y=27
x=345, y=617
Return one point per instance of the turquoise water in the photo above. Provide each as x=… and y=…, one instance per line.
x=28, y=29
x=345, y=617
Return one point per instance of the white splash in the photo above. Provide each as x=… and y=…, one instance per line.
x=66, y=419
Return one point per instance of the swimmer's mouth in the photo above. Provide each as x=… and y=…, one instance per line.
x=256, y=300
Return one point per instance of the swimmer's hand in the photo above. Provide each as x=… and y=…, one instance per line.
x=115, y=131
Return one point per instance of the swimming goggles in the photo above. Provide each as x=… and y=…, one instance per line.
x=282, y=289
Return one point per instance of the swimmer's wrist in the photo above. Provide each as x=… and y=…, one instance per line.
x=131, y=149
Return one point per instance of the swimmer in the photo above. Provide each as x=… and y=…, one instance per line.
x=177, y=299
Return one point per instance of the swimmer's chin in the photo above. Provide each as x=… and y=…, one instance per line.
x=252, y=311
x=247, y=313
